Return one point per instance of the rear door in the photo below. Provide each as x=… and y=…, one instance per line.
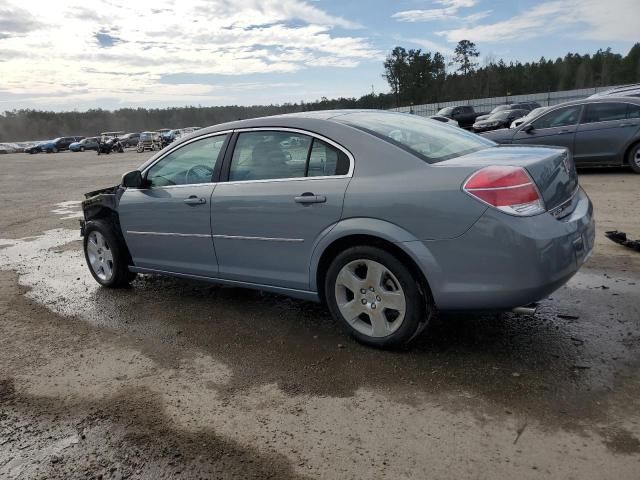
x=167, y=225
x=605, y=131
x=557, y=128
x=285, y=188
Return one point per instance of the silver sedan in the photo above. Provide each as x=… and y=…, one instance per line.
x=385, y=217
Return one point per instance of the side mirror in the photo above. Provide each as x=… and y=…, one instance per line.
x=527, y=128
x=133, y=179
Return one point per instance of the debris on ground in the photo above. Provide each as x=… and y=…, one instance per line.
x=621, y=238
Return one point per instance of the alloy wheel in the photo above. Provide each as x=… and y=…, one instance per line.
x=100, y=256
x=636, y=157
x=370, y=298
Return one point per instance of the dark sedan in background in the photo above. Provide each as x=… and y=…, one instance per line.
x=528, y=106
x=598, y=131
x=500, y=119
x=130, y=139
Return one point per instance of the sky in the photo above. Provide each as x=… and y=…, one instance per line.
x=81, y=54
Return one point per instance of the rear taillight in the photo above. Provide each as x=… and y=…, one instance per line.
x=509, y=189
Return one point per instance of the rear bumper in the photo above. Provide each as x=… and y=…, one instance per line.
x=503, y=262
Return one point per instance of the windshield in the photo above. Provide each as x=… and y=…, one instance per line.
x=430, y=140
x=536, y=111
x=500, y=115
x=445, y=111
x=500, y=108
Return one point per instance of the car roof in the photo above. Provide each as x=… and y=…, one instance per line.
x=607, y=99
x=286, y=120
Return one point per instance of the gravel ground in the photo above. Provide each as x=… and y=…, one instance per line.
x=177, y=379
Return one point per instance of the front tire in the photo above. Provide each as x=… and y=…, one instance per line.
x=634, y=158
x=82, y=149
x=375, y=297
x=106, y=255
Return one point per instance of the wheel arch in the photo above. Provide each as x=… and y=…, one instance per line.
x=626, y=160
x=390, y=237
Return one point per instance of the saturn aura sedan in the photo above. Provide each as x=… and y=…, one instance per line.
x=385, y=217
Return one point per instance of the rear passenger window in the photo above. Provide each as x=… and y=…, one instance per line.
x=326, y=160
x=605, y=112
x=271, y=155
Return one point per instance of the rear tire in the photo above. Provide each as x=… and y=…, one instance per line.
x=106, y=255
x=634, y=158
x=375, y=297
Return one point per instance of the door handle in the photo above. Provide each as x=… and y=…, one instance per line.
x=563, y=131
x=627, y=125
x=308, y=198
x=193, y=200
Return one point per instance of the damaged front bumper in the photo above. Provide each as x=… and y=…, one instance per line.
x=99, y=204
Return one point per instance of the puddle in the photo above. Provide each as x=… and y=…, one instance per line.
x=68, y=210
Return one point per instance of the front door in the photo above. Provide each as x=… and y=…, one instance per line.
x=167, y=225
x=284, y=190
x=556, y=128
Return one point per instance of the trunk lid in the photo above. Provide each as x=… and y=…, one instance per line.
x=551, y=168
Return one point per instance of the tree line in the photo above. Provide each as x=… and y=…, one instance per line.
x=417, y=77
x=414, y=77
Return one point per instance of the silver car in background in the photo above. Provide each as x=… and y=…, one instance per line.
x=383, y=216
x=602, y=131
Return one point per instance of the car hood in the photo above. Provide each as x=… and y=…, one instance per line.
x=479, y=118
x=486, y=121
x=502, y=135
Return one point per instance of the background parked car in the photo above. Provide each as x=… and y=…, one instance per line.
x=631, y=90
x=36, y=147
x=59, y=144
x=149, y=141
x=510, y=106
x=532, y=114
x=598, y=131
x=501, y=119
x=90, y=143
x=7, y=148
x=465, y=115
x=130, y=139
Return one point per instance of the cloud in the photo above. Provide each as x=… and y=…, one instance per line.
x=429, y=45
x=76, y=53
x=449, y=12
x=16, y=21
x=613, y=20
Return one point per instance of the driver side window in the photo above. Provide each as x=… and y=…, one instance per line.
x=188, y=165
x=563, y=117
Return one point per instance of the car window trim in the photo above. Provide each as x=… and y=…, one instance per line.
x=216, y=171
x=224, y=178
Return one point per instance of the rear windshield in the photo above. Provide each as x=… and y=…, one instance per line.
x=430, y=140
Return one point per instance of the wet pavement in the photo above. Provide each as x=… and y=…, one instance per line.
x=179, y=379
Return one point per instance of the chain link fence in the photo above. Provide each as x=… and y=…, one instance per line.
x=487, y=104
